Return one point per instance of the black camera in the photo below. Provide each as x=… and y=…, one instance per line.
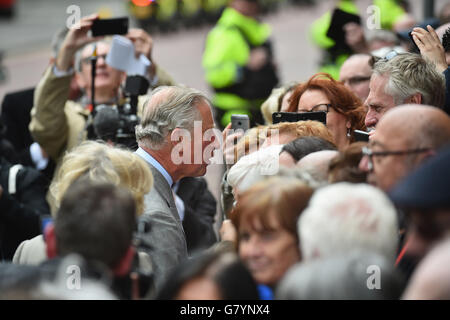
x=115, y=124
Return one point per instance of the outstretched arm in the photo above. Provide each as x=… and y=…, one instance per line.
x=430, y=46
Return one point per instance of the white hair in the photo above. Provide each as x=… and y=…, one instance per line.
x=409, y=74
x=343, y=216
x=254, y=167
x=169, y=107
x=342, y=277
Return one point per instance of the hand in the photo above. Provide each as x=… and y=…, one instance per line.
x=430, y=47
x=143, y=44
x=228, y=231
x=229, y=148
x=258, y=58
x=75, y=39
x=354, y=37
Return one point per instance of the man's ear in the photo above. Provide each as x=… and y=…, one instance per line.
x=124, y=265
x=415, y=99
x=179, y=135
x=50, y=240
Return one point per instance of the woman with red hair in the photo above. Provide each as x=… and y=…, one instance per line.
x=345, y=112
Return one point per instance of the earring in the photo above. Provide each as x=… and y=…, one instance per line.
x=348, y=133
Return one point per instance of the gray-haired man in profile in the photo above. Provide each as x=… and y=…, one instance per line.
x=402, y=78
x=173, y=139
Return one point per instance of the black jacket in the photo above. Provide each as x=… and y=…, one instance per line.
x=200, y=210
x=20, y=211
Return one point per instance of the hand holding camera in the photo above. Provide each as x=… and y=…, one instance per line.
x=76, y=38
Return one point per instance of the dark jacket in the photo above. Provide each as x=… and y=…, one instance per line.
x=22, y=204
x=200, y=210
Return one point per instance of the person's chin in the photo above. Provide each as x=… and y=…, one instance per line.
x=199, y=171
x=372, y=181
x=203, y=170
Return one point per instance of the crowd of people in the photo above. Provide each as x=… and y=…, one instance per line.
x=353, y=207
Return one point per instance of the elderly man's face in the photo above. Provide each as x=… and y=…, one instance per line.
x=107, y=78
x=389, y=169
x=355, y=74
x=209, y=142
x=378, y=101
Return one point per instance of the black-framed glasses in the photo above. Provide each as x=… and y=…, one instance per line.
x=323, y=107
x=88, y=59
x=366, y=151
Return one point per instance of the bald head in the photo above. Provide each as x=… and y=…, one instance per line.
x=317, y=164
x=355, y=74
x=416, y=125
x=406, y=136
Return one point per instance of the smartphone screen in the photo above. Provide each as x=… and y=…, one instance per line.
x=102, y=27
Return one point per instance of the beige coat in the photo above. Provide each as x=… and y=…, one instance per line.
x=58, y=124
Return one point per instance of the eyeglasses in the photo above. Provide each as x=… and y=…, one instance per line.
x=366, y=151
x=320, y=107
x=88, y=59
x=391, y=55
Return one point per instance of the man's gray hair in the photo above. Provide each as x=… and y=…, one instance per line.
x=169, y=107
x=349, y=275
x=332, y=224
x=409, y=73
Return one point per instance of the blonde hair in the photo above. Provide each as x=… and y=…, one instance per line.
x=255, y=137
x=103, y=163
x=274, y=101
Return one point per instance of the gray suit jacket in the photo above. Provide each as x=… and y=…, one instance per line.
x=164, y=240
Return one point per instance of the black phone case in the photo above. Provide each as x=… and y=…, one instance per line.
x=103, y=27
x=361, y=136
x=278, y=117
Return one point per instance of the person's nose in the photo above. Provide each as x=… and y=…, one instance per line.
x=253, y=247
x=364, y=164
x=101, y=60
x=371, y=118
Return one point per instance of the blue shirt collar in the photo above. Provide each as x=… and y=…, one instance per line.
x=147, y=157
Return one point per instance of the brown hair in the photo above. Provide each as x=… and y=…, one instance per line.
x=341, y=99
x=285, y=198
x=345, y=166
